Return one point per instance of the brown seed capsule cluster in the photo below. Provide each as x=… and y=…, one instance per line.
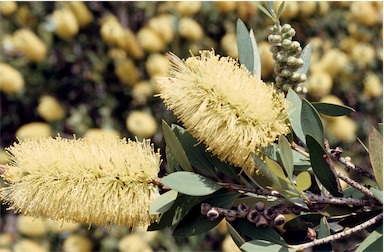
x=286, y=54
x=260, y=215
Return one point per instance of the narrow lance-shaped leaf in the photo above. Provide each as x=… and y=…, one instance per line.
x=332, y=109
x=244, y=46
x=280, y=10
x=321, y=169
x=324, y=231
x=266, y=12
x=295, y=113
x=236, y=237
x=376, y=155
x=374, y=241
x=311, y=122
x=175, y=147
x=163, y=203
x=190, y=183
x=306, y=56
x=256, y=57
x=286, y=156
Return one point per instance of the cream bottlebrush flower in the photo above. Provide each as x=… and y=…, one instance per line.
x=93, y=181
x=224, y=106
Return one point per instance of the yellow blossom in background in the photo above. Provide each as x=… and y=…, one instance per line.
x=363, y=54
x=129, y=43
x=157, y=64
x=142, y=91
x=133, y=243
x=3, y=156
x=229, y=44
x=82, y=14
x=141, y=124
x=29, y=44
x=373, y=86
x=365, y=13
x=50, y=109
x=332, y=62
x=190, y=29
x=24, y=16
x=150, y=41
x=34, y=130
x=163, y=26
x=319, y=83
x=66, y=25
x=8, y=8
x=126, y=71
x=93, y=181
x=110, y=30
x=223, y=105
x=30, y=226
x=188, y=8
x=24, y=245
x=6, y=239
x=343, y=129
x=266, y=59
x=11, y=80
x=77, y=243
x=101, y=133
x=57, y=226
x=229, y=245
x=226, y=6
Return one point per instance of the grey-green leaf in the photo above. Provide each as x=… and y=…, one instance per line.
x=266, y=12
x=332, y=109
x=295, y=113
x=163, y=203
x=256, y=57
x=280, y=10
x=377, y=193
x=190, y=183
x=375, y=146
x=306, y=56
x=373, y=242
x=175, y=147
x=265, y=246
x=323, y=173
x=244, y=46
x=311, y=122
x=286, y=156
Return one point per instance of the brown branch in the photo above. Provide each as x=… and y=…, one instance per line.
x=356, y=185
x=314, y=198
x=258, y=191
x=336, y=154
x=299, y=149
x=340, y=235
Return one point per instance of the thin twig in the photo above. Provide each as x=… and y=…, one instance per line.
x=336, y=154
x=299, y=149
x=340, y=235
x=257, y=191
x=314, y=198
x=356, y=185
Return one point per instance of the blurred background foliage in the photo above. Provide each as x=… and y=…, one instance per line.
x=89, y=68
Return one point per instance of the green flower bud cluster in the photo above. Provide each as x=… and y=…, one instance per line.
x=286, y=54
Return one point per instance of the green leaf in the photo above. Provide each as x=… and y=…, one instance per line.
x=332, y=109
x=258, y=245
x=286, y=155
x=375, y=144
x=321, y=169
x=303, y=180
x=256, y=57
x=374, y=241
x=377, y=193
x=276, y=169
x=163, y=203
x=323, y=228
x=195, y=151
x=295, y=105
x=311, y=122
x=270, y=6
x=195, y=223
x=171, y=163
x=264, y=170
x=280, y=10
x=244, y=46
x=266, y=234
x=175, y=147
x=236, y=237
x=306, y=56
x=190, y=183
x=266, y=12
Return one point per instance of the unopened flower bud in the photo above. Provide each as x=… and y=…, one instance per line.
x=291, y=61
x=285, y=87
x=252, y=215
x=299, y=62
x=213, y=214
x=271, y=29
x=279, y=220
x=274, y=39
x=299, y=89
x=286, y=28
x=295, y=77
x=286, y=43
x=205, y=207
x=303, y=77
x=274, y=49
x=279, y=80
x=261, y=221
x=242, y=210
x=295, y=45
x=281, y=56
x=285, y=73
x=291, y=32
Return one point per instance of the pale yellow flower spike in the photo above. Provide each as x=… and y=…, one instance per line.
x=224, y=106
x=93, y=181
